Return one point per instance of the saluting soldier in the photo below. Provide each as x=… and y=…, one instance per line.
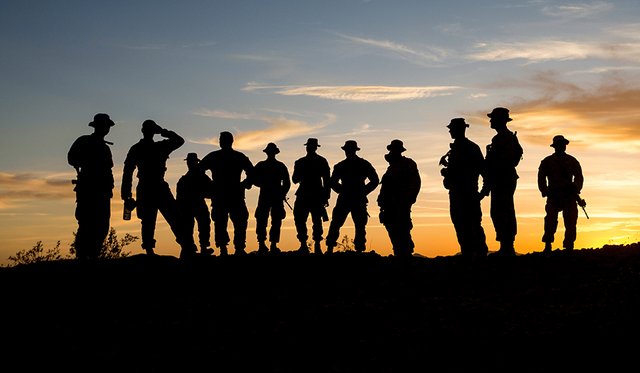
x=153, y=194
x=91, y=157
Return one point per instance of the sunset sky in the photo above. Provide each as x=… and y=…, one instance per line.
x=283, y=71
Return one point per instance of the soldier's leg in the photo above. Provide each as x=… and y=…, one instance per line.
x=457, y=213
x=360, y=219
x=300, y=215
x=102, y=214
x=338, y=217
x=239, y=217
x=220, y=217
x=204, y=225
x=83, y=234
x=503, y=214
x=169, y=210
x=570, y=218
x=147, y=211
x=278, y=213
x=262, y=220
x=477, y=238
x=550, y=221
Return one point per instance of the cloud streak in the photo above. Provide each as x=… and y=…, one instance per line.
x=15, y=188
x=429, y=57
x=556, y=50
x=577, y=10
x=358, y=93
x=277, y=128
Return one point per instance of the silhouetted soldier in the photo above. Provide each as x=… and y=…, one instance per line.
x=353, y=179
x=92, y=159
x=152, y=192
x=312, y=172
x=191, y=191
x=272, y=177
x=560, y=179
x=463, y=165
x=399, y=190
x=503, y=155
x=228, y=193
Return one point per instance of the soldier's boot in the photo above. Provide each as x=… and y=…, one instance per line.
x=316, y=248
x=360, y=247
x=239, y=251
x=568, y=246
x=547, y=248
x=274, y=249
x=262, y=248
x=223, y=250
x=304, y=248
x=206, y=251
x=507, y=249
x=329, y=249
x=150, y=251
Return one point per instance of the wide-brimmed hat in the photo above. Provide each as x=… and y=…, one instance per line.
x=271, y=149
x=396, y=146
x=192, y=157
x=559, y=140
x=350, y=145
x=101, y=119
x=457, y=122
x=500, y=113
x=149, y=124
x=312, y=142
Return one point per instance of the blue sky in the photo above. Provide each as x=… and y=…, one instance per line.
x=283, y=71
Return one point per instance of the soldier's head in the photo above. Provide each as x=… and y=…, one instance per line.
x=312, y=145
x=226, y=140
x=271, y=150
x=150, y=128
x=499, y=117
x=395, y=148
x=559, y=143
x=350, y=147
x=457, y=128
x=192, y=160
x=101, y=123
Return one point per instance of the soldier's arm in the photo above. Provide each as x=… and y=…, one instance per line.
x=326, y=181
x=248, y=169
x=127, y=174
x=542, y=179
x=74, y=157
x=173, y=140
x=373, y=178
x=286, y=182
x=334, y=180
x=578, y=178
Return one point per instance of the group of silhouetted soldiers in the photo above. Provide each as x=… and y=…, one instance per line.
x=353, y=179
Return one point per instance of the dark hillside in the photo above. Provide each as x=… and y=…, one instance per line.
x=345, y=313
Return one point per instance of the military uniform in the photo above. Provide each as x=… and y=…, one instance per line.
x=503, y=155
x=228, y=194
x=312, y=173
x=464, y=164
x=153, y=194
x=399, y=190
x=91, y=157
x=560, y=179
x=272, y=177
x=191, y=192
x=353, y=179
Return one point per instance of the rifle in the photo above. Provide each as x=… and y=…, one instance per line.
x=286, y=200
x=582, y=203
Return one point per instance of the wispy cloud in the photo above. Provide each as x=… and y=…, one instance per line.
x=577, y=10
x=166, y=46
x=15, y=188
x=547, y=50
x=428, y=56
x=605, y=116
x=277, y=128
x=358, y=93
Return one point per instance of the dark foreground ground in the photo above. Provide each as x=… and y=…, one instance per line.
x=346, y=313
